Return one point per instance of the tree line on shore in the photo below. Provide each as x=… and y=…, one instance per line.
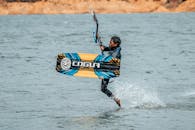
x=169, y=4
x=167, y=1
x=20, y=0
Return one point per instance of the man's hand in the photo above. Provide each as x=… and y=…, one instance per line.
x=102, y=47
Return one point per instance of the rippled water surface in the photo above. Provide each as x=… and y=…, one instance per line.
x=156, y=86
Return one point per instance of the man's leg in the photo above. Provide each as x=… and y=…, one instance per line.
x=104, y=89
x=104, y=86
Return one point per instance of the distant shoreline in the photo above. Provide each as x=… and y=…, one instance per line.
x=103, y=6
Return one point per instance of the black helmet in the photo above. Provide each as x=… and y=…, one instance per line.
x=116, y=39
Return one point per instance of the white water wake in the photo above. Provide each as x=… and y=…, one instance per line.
x=134, y=96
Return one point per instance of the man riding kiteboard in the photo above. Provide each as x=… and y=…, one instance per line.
x=113, y=50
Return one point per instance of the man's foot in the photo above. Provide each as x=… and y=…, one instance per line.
x=118, y=102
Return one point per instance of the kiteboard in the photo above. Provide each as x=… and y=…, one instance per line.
x=88, y=65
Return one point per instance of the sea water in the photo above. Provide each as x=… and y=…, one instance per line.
x=156, y=86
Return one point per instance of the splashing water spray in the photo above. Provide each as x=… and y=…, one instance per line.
x=134, y=96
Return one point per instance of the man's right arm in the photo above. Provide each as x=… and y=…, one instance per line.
x=104, y=48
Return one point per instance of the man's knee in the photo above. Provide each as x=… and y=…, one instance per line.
x=103, y=89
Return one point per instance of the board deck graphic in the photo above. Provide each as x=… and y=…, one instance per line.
x=88, y=65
